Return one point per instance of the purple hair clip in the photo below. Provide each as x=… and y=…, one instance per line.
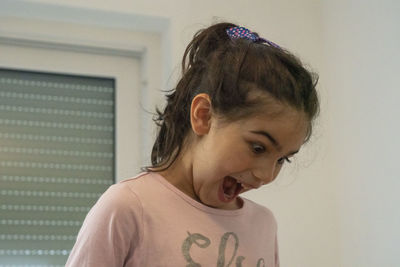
x=242, y=32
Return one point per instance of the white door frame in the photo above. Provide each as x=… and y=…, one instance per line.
x=149, y=58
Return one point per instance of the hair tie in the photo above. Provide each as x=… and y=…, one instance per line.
x=243, y=33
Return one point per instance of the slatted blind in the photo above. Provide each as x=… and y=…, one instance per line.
x=56, y=159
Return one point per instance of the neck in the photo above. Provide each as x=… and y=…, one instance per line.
x=180, y=174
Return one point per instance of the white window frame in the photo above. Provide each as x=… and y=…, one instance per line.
x=154, y=57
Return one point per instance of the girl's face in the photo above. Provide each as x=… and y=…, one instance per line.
x=235, y=157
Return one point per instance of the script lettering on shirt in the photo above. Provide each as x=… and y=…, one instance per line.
x=203, y=242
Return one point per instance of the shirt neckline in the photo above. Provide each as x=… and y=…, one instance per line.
x=197, y=204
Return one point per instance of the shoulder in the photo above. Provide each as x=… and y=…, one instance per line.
x=111, y=229
x=130, y=193
x=138, y=186
x=127, y=188
x=260, y=212
x=119, y=200
x=117, y=211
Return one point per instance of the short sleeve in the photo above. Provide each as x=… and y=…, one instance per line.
x=110, y=231
x=276, y=251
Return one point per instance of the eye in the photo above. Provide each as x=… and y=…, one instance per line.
x=257, y=148
x=282, y=160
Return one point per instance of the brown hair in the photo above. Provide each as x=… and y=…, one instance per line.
x=228, y=70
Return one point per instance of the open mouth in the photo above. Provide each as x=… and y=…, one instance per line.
x=231, y=188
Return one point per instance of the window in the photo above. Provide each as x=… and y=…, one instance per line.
x=44, y=198
x=56, y=159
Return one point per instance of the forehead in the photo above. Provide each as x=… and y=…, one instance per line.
x=269, y=110
x=266, y=113
x=288, y=126
x=283, y=117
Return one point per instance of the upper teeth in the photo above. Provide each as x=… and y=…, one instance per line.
x=245, y=186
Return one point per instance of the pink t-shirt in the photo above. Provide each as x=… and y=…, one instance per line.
x=146, y=221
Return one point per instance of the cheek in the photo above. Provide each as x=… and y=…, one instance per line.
x=226, y=157
x=237, y=162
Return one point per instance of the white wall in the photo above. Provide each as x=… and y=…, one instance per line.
x=361, y=68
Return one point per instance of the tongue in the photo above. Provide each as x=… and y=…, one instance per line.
x=229, y=187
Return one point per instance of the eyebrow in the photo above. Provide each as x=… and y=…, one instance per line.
x=273, y=141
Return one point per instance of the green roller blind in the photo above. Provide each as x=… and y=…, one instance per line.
x=56, y=158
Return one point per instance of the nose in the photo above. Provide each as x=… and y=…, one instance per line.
x=265, y=172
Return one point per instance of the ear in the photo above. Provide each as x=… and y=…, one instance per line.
x=200, y=114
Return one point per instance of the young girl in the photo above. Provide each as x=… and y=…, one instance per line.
x=243, y=107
